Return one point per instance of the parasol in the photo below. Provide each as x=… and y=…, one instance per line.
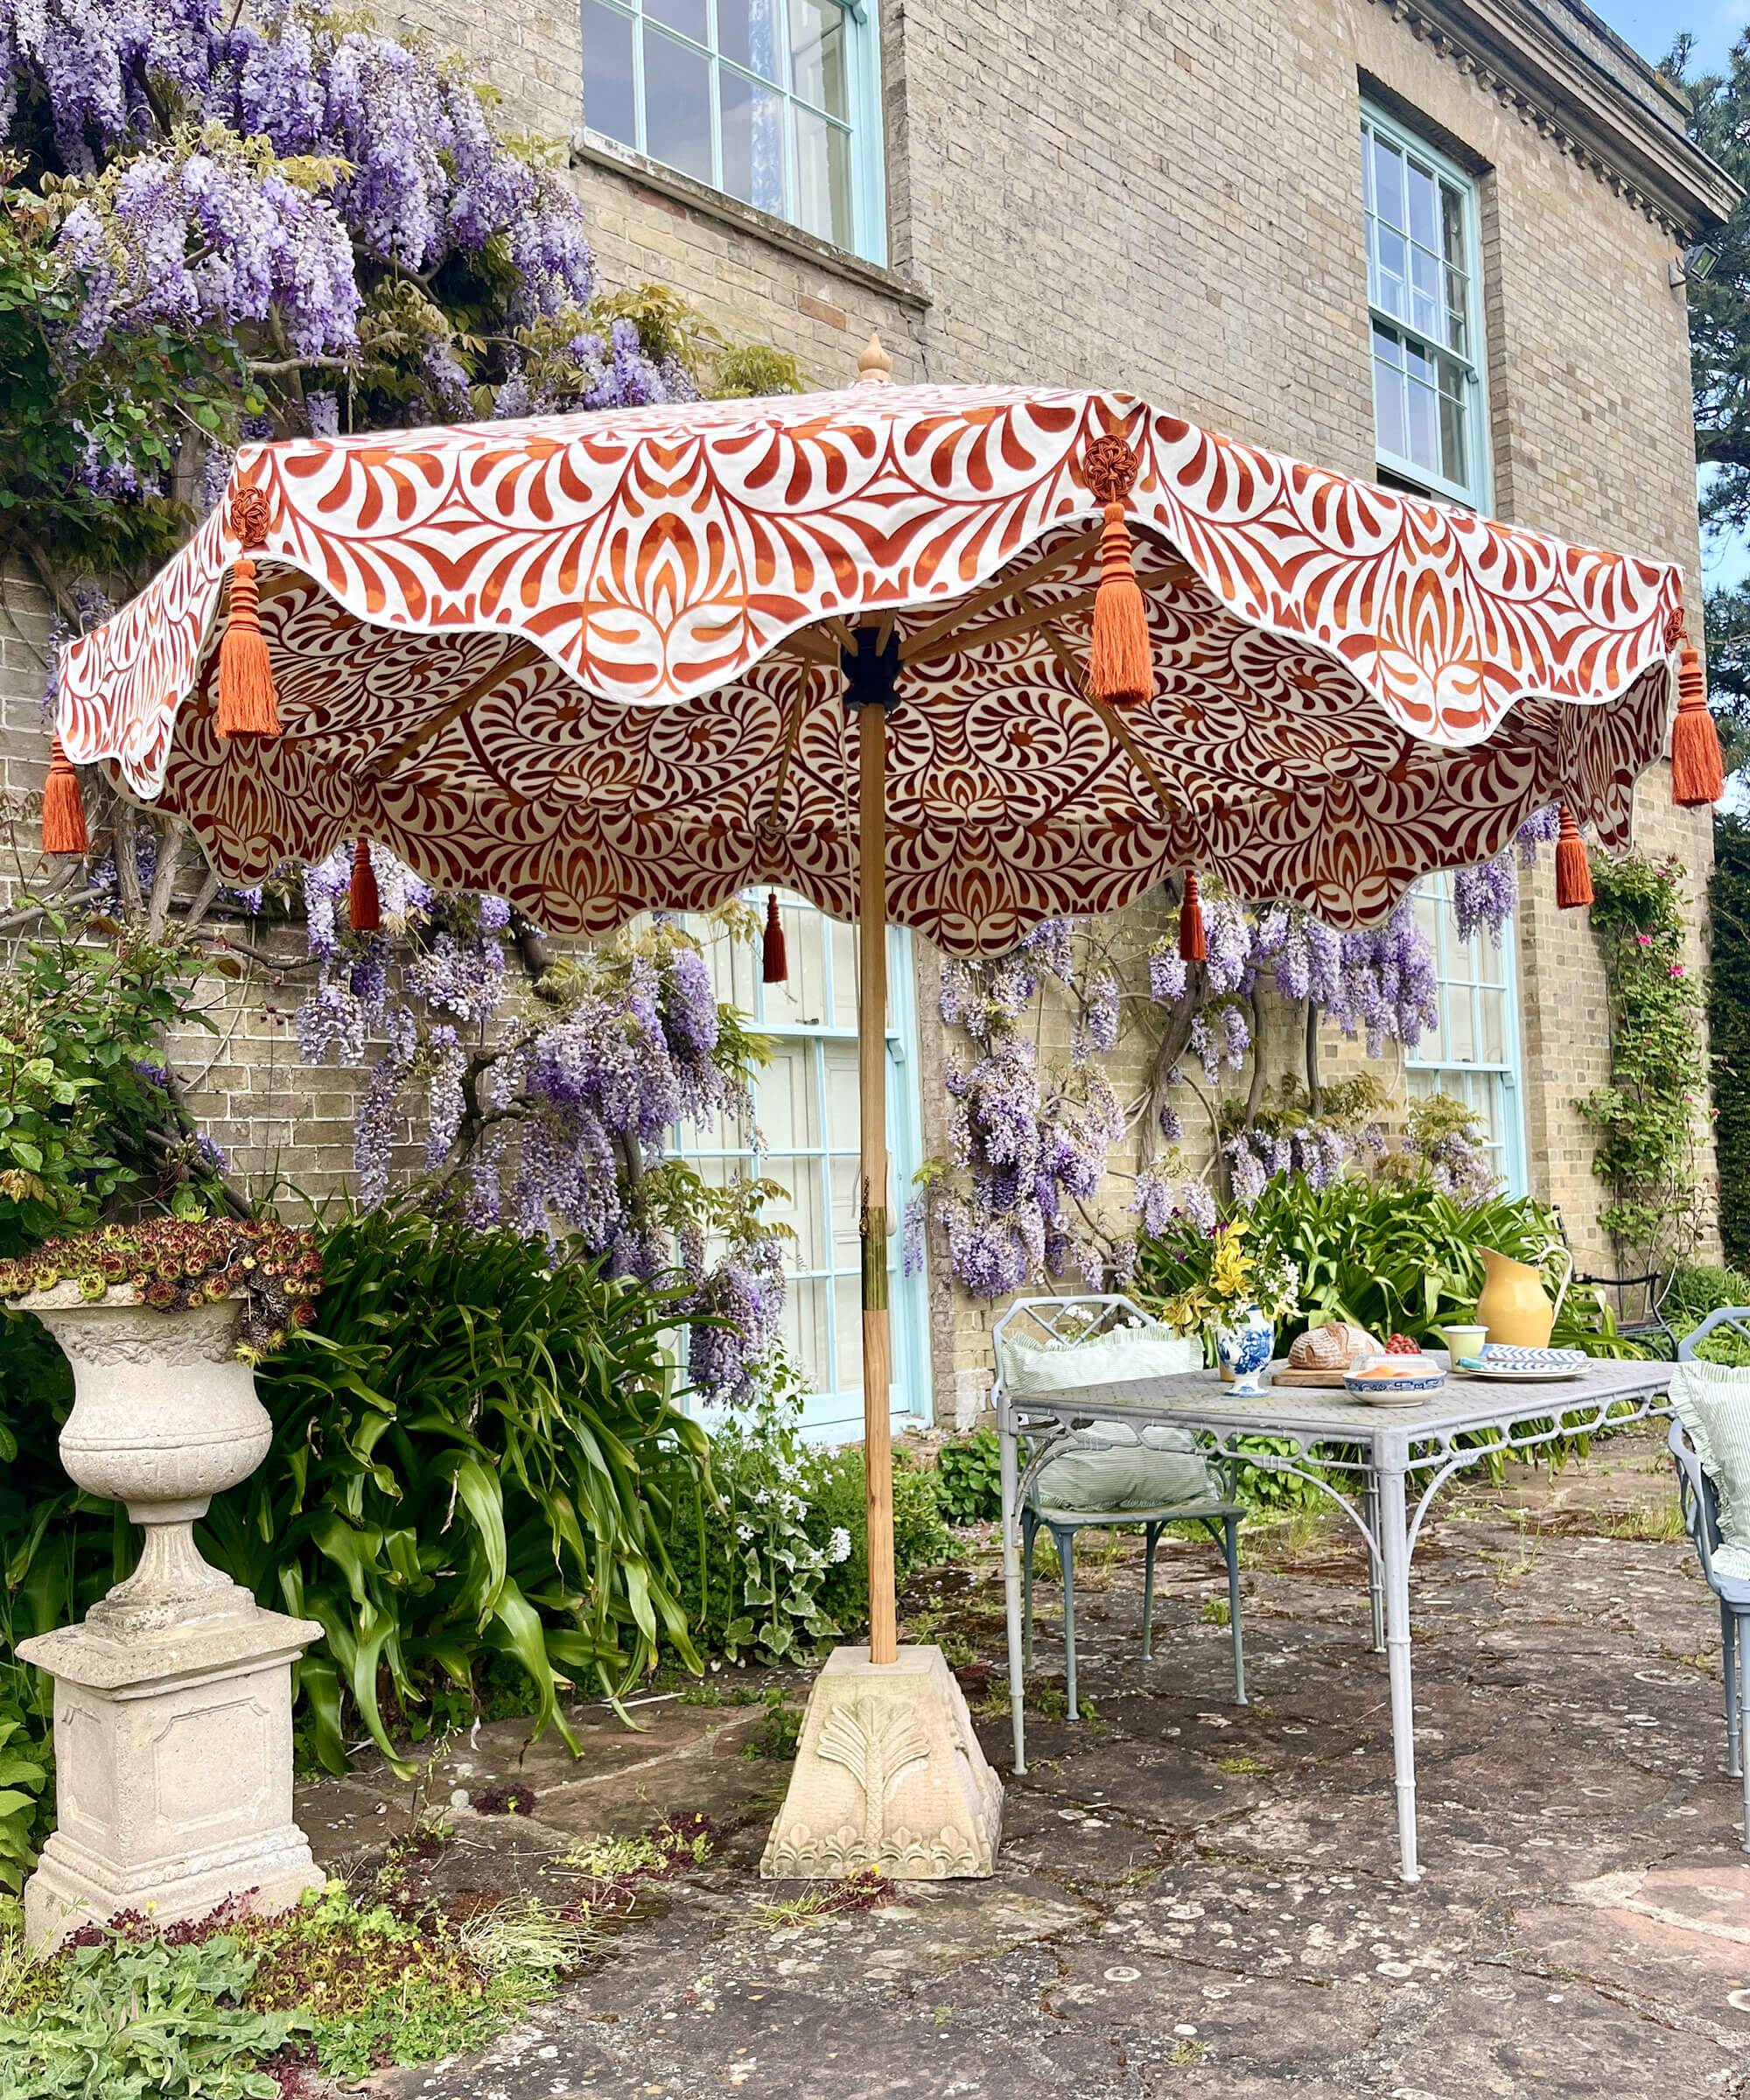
x=602, y=663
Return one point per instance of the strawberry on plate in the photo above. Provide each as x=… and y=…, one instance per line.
x=1401, y=1345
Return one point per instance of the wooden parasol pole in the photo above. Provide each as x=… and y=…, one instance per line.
x=871, y=1072
x=871, y=671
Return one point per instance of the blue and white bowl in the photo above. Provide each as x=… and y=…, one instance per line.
x=1505, y=1356
x=1373, y=1383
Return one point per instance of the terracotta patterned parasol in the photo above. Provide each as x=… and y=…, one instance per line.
x=600, y=663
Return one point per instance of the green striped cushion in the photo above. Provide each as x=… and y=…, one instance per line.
x=1712, y=1402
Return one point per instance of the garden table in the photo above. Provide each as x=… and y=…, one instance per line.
x=1392, y=1462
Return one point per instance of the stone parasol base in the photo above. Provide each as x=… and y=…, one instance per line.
x=888, y=1774
x=172, y=1771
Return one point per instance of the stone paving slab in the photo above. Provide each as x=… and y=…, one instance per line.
x=1196, y=1898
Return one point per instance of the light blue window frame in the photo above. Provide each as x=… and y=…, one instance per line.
x=860, y=126
x=835, y=1413
x=1475, y=1055
x=1425, y=340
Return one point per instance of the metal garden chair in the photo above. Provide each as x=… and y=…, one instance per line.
x=1073, y=1321
x=1700, y=1506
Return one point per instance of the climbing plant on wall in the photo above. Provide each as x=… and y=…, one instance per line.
x=1728, y=1026
x=1648, y=1118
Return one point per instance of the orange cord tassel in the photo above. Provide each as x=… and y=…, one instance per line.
x=1573, y=870
x=64, y=827
x=1192, y=945
x=245, y=688
x=364, y=907
x=1120, y=661
x=774, y=960
x=1696, y=774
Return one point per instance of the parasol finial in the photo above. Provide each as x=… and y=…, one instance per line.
x=247, y=707
x=1120, y=661
x=874, y=368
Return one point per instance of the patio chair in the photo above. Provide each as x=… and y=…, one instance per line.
x=1097, y=1322
x=1640, y=1320
x=1700, y=1506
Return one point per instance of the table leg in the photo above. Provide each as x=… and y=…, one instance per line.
x=1394, y=1543
x=1011, y=1472
x=1375, y=1571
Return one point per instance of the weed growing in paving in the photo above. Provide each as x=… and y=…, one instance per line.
x=868, y=1890
x=779, y=1731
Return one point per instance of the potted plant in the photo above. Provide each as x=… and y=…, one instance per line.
x=1238, y=1285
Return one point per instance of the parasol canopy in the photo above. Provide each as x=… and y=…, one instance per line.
x=592, y=664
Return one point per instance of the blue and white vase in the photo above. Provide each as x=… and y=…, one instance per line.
x=1244, y=1346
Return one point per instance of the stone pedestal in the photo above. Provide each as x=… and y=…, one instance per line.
x=888, y=1774
x=174, y=1700
x=172, y=1774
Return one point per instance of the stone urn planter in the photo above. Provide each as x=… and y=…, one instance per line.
x=173, y=1715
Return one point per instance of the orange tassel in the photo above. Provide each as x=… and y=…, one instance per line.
x=1120, y=661
x=775, y=961
x=364, y=907
x=246, y=689
x=64, y=827
x=1573, y=870
x=1696, y=774
x=1191, y=945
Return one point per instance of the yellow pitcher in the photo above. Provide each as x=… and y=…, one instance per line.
x=1513, y=1305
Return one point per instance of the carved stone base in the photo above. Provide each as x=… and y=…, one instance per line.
x=888, y=1774
x=172, y=1773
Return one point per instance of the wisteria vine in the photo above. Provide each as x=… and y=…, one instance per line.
x=1032, y=1136
x=558, y=1119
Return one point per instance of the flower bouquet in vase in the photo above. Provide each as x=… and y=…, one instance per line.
x=1239, y=1285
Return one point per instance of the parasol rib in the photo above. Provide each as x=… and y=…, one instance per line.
x=1116, y=727
x=517, y=657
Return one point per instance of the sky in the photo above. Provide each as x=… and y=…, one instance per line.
x=1650, y=26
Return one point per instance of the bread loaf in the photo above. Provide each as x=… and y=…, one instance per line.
x=1329, y=1347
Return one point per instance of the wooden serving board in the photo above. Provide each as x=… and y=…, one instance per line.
x=1331, y=1380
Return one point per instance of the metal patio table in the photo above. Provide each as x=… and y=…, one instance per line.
x=1397, y=1459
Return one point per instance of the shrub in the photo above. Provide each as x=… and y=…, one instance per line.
x=969, y=1479
x=836, y=1501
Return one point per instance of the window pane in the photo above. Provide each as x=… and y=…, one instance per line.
x=1452, y=228
x=800, y=1001
x=607, y=73
x=686, y=15
x=801, y=1177
x=1454, y=462
x=1422, y=207
x=1388, y=177
x=1388, y=394
x=788, y=1098
x=748, y=31
x=1493, y=1005
x=822, y=178
x=677, y=105
x=1425, y=307
x=843, y=940
x=806, y=1333
x=817, y=55
x=1457, y=320
x=1422, y=401
x=1394, y=268
x=753, y=121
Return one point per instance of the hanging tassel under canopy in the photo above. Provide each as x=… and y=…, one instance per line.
x=364, y=907
x=64, y=829
x=774, y=960
x=1697, y=776
x=1120, y=658
x=1193, y=947
x=1573, y=870
x=247, y=707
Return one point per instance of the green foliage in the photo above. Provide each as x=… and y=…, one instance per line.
x=1728, y=1021
x=1394, y=1260
x=780, y=1730
x=969, y=1479
x=472, y=1452
x=123, y=2018
x=836, y=1501
x=193, y=2015
x=126, y=410
x=80, y=1123
x=1647, y=1118
x=25, y=1761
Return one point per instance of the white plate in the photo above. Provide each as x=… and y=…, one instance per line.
x=1554, y=1378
